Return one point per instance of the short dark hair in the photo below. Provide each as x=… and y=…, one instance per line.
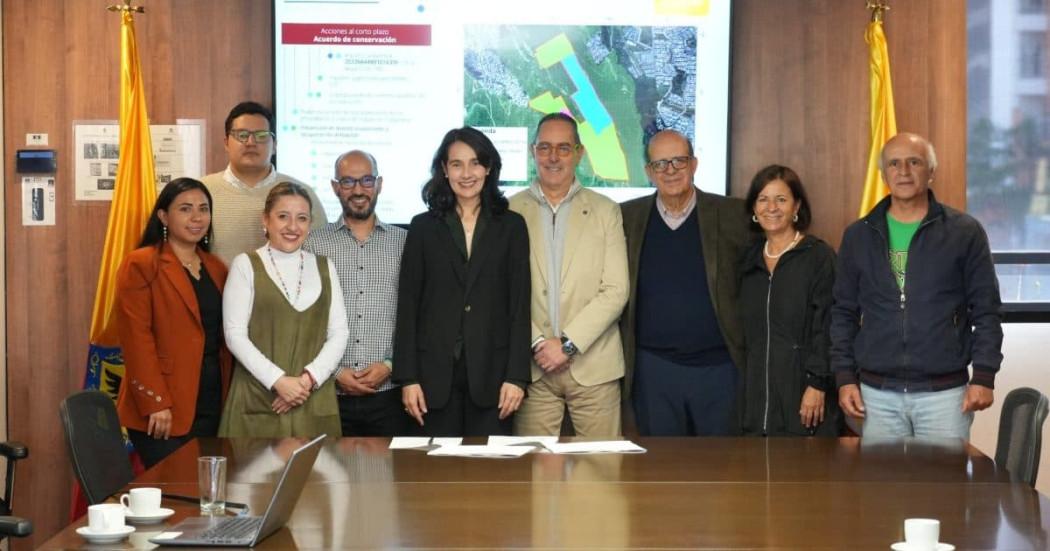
x=153, y=235
x=558, y=116
x=437, y=192
x=789, y=177
x=285, y=189
x=648, y=139
x=249, y=108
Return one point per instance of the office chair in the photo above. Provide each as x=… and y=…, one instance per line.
x=95, y=444
x=9, y=525
x=1021, y=434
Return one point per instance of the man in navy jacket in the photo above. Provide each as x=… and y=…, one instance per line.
x=916, y=302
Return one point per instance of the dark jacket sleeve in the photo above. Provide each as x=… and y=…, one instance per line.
x=985, y=305
x=818, y=368
x=518, y=371
x=845, y=312
x=409, y=291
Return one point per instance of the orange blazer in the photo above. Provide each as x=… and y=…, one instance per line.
x=162, y=338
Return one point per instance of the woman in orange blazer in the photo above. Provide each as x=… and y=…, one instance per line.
x=169, y=317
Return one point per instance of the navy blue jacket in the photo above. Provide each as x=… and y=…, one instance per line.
x=947, y=316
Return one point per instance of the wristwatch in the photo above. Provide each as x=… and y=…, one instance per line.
x=568, y=347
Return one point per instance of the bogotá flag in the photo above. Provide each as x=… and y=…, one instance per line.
x=133, y=196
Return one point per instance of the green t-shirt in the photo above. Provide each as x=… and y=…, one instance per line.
x=900, y=238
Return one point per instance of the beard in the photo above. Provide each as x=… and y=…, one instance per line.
x=350, y=212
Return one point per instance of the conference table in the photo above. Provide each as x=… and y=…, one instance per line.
x=698, y=493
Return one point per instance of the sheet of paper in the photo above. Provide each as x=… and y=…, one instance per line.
x=497, y=440
x=608, y=446
x=447, y=441
x=481, y=451
x=409, y=442
x=167, y=535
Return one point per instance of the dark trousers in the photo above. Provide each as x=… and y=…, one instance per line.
x=679, y=400
x=151, y=450
x=460, y=416
x=379, y=414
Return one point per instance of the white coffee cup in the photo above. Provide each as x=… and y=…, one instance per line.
x=142, y=501
x=106, y=518
x=922, y=534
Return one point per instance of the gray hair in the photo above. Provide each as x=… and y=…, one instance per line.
x=931, y=155
x=365, y=154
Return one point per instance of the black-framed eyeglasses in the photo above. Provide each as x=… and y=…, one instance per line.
x=562, y=149
x=347, y=182
x=261, y=136
x=677, y=162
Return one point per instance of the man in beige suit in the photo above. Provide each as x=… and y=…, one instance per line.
x=578, y=258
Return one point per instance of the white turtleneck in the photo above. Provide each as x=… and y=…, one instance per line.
x=238, y=297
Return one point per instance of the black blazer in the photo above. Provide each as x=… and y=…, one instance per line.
x=447, y=305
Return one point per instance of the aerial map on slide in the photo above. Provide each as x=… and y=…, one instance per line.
x=622, y=83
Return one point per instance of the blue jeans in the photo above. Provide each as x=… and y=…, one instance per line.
x=937, y=414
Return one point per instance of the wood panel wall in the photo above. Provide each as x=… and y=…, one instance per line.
x=799, y=97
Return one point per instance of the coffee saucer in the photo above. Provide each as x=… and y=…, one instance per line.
x=151, y=518
x=105, y=537
x=905, y=546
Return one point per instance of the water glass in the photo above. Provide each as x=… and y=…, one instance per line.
x=211, y=478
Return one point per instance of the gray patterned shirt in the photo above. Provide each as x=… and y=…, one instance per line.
x=368, y=273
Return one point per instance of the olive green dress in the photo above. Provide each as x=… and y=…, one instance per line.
x=291, y=340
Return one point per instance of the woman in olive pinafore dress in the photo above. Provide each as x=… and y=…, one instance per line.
x=284, y=320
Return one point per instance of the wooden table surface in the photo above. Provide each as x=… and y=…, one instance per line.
x=707, y=493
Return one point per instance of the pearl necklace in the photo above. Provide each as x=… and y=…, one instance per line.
x=765, y=248
x=299, y=286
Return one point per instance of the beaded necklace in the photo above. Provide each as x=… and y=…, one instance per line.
x=786, y=249
x=299, y=286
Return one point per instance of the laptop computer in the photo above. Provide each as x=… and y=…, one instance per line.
x=247, y=531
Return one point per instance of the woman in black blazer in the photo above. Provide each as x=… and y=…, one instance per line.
x=462, y=349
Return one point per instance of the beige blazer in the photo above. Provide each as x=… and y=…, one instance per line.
x=594, y=283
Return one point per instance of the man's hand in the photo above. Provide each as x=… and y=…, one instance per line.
x=280, y=407
x=348, y=381
x=415, y=404
x=977, y=398
x=850, y=401
x=510, y=396
x=549, y=356
x=374, y=375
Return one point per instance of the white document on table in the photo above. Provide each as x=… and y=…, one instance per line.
x=497, y=440
x=447, y=441
x=481, y=451
x=608, y=446
x=409, y=442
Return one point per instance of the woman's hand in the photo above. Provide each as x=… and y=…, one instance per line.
x=160, y=424
x=291, y=390
x=812, y=409
x=510, y=396
x=415, y=404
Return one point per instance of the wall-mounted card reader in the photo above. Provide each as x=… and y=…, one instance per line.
x=36, y=161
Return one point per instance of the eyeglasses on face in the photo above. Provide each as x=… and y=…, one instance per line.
x=563, y=149
x=261, y=136
x=677, y=162
x=347, y=182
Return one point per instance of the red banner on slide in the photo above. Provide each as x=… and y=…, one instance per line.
x=335, y=34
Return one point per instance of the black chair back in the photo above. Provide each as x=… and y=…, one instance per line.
x=9, y=525
x=1021, y=434
x=95, y=444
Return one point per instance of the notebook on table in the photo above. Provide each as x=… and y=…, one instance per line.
x=247, y=531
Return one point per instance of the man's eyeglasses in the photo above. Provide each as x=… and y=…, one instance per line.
x=261, y=136
x=563, y=149
x=348, y=182
x=677, y=162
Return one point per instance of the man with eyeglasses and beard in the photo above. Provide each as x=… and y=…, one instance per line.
x=682, y=336
x=239, y=192
x=367, y=256
x=579, y=285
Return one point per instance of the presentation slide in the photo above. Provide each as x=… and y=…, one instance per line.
x=391, y=77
